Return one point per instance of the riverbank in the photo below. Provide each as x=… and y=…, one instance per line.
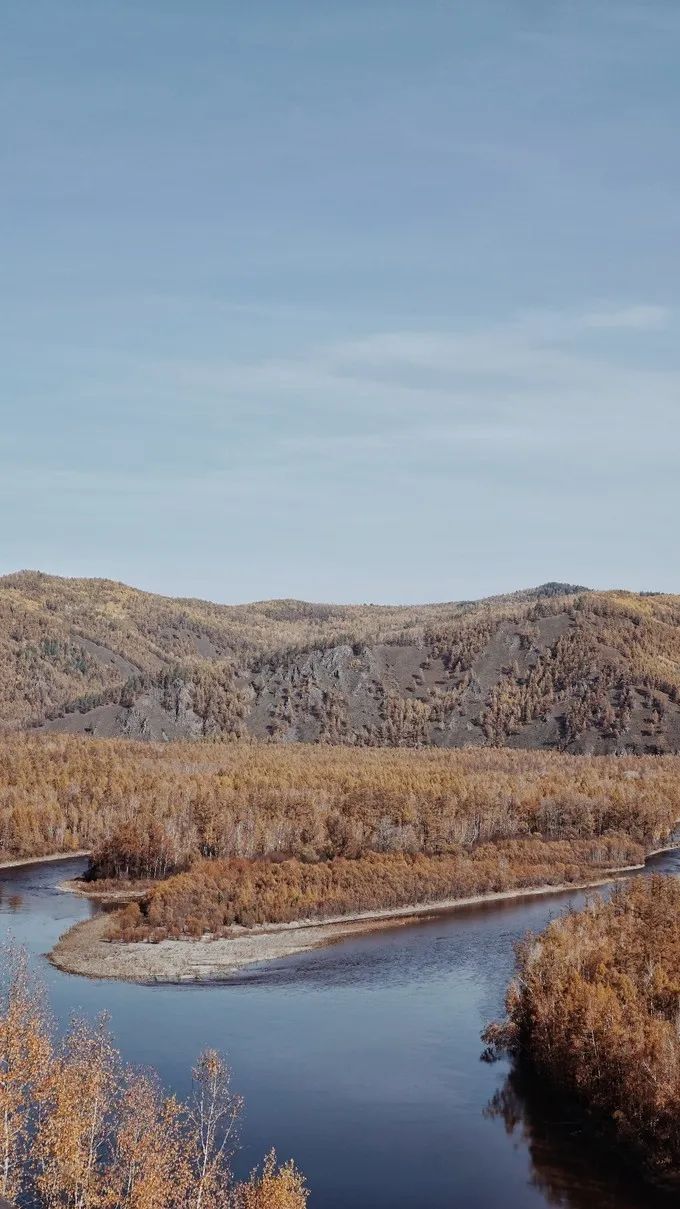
x=616, y=1049
x=87, y=950
x=43, y=860
x=346, y=1024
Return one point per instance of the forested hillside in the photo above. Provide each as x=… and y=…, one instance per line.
x=553, y=667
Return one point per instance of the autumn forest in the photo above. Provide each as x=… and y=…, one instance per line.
x=258, y=833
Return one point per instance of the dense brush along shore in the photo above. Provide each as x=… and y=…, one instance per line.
x=595, y=1006
x=218, y=839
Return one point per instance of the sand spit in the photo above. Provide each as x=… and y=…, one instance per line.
x=85, y=949
x=78, y=885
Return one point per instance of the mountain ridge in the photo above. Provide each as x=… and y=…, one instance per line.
x=27, y=575
x=558, y=665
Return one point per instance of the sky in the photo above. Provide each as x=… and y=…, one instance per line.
x=372, y=301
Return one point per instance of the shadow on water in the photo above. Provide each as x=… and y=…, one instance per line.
x=572, y=1165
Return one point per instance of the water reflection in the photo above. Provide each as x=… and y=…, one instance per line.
x=10, y=903
x=570, y=1166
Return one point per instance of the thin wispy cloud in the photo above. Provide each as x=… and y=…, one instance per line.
x=517, y=360
x=632, y=318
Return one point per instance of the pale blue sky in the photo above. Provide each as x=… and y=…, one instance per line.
x=373, y=300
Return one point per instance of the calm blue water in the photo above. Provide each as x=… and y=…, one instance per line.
x=360, y=1060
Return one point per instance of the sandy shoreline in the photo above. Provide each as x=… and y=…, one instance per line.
x=85, y=950
x=77, y=885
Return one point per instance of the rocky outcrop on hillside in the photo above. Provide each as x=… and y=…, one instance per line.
x=554, y=667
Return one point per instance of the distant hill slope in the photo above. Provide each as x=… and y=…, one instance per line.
x=555, y=666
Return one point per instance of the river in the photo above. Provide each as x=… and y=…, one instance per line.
x=360, y=1060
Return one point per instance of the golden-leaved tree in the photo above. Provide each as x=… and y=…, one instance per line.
x=81, y=1130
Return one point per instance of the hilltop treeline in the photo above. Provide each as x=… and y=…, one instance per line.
x=214, y=895
x=64, y=640
x=81, y=1130
x=595, y=1007
x=151, y=810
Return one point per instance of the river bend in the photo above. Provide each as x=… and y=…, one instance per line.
x=360, y=1060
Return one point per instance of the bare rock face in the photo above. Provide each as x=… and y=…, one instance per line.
x=557, y=666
